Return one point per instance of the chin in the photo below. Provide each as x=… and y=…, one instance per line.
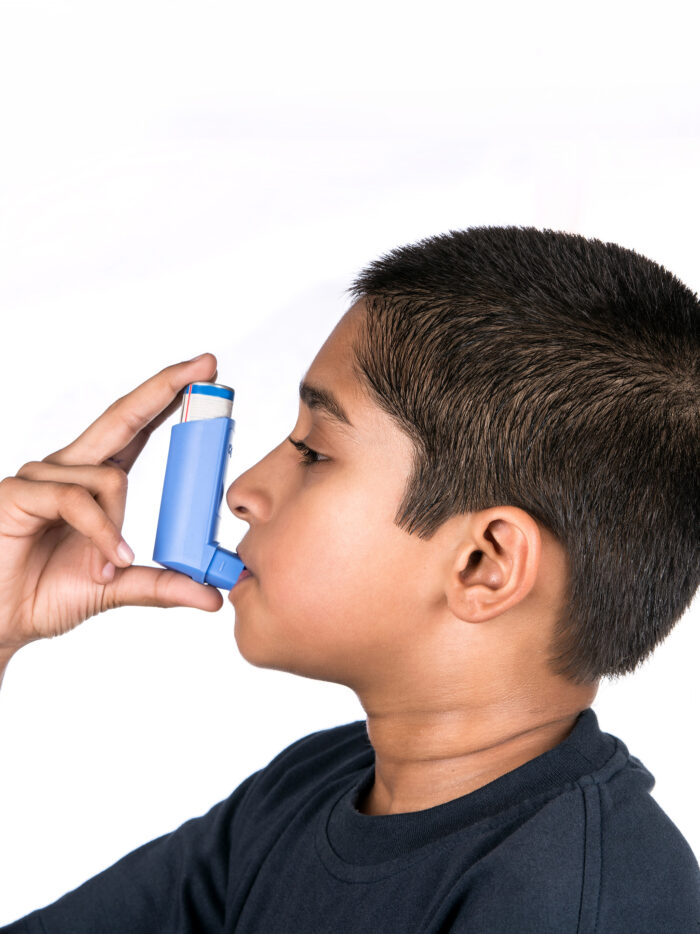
x=261, y=654
x=256, y=650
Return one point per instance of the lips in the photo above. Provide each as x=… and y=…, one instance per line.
x=245, y=562
x=245, y=575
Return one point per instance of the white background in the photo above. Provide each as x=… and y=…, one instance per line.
x=186, y=177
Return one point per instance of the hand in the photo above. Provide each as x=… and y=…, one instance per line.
x=61, y=519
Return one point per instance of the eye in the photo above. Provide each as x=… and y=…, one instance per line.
x=309, y=456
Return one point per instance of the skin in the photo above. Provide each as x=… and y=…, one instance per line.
x=443, y=641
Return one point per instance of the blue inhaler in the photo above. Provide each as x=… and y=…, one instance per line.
x=188, y=524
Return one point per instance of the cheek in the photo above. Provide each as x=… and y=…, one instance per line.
x=337, y=572
x=319, y=548
x=321, y=571
x=339, y=589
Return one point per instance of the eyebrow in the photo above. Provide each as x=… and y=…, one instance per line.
x=315, y=397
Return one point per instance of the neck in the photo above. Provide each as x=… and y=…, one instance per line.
x=425, y=757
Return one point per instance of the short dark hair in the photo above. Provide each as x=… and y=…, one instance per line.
x=561, y=375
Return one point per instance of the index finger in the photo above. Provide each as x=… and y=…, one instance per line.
x=124, y=419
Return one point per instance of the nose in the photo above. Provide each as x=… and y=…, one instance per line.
x=237, y=499
x=250, y=496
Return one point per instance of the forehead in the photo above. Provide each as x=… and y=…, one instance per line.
x=330, y=385
x=384, y=445
x=337, y=348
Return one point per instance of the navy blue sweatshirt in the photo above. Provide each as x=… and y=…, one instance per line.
x=571, y=842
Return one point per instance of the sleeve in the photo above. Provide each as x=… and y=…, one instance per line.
x=650, y=880
x=175, y=883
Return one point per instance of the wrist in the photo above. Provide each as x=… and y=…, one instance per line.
x=5, y=655
x=7, y=651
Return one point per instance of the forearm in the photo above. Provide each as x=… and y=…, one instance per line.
x=5, y=657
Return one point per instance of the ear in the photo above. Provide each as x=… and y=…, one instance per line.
x=496, y=566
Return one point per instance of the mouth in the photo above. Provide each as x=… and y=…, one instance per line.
x=245, y=574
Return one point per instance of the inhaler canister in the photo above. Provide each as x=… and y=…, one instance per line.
x=188, y=523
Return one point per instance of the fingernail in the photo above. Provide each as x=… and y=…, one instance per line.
x=124, y=552
x=108, y=571
x=197, y=358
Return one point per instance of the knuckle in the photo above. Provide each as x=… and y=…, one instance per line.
x=28, y=470
x=131, y=419
x=159, y=592
x=136, y=420
x=7, y=484
x=57, y=458
x=72, y=493
x=117, y=408
x=116, y=478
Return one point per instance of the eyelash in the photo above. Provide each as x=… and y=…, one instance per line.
x=309, y=456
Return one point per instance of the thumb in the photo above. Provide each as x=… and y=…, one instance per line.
x=142, y=586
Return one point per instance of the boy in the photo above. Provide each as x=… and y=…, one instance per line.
x=489, y=502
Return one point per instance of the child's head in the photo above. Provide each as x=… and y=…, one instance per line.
x=519, y=489
x=560, y=375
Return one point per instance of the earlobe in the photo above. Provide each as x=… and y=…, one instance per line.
x=499, y=565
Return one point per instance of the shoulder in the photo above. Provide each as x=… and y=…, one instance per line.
x=315, y=759
x=649, y=873
x=600, y=856
x=346, y=742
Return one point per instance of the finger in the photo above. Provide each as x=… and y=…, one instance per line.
x=144, y=434
x=104, y=481
x=37, y=504
x=107, y=484
x=142, y=586
x=126, y=458
x=125, y=418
